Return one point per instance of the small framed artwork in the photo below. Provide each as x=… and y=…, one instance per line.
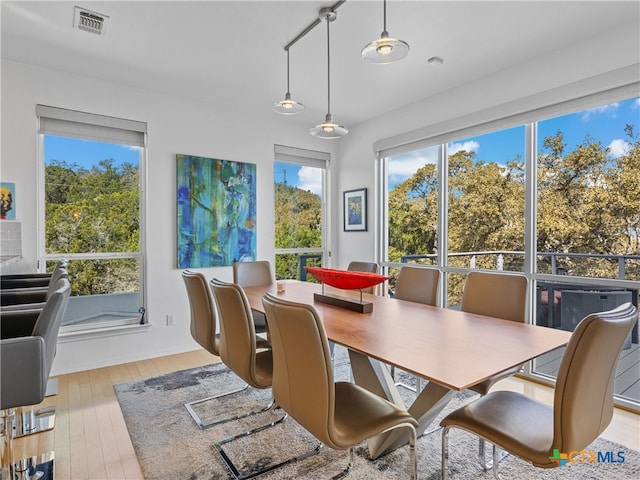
x=355, y=210
x=7, y=201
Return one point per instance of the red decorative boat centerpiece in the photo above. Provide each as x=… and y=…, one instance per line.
x=345, y=280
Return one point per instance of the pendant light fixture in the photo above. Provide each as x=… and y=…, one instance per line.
x=328, y=129
x=287, y=106
x=385, y=49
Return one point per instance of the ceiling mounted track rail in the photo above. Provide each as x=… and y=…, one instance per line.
x=312, y=25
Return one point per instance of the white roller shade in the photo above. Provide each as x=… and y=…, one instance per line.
x=71, y=123
x=309, y=158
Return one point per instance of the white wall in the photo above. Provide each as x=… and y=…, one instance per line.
x=606, y=61
x=175, y=125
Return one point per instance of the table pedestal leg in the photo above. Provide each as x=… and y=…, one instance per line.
x=375, y=377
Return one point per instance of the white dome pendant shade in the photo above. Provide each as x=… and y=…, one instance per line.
x=287, y=106
x=328, y=129
x=385, y=49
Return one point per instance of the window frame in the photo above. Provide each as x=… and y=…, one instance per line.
x=94, y=127
x=316, y=159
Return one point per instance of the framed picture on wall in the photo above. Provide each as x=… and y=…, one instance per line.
x=355, y=210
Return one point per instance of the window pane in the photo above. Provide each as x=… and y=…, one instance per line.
x=91, y=196
x=92, y=218
x=104, y=292
x=486, y=201
x=588, y=195
x=298, y=218
x=412, y=206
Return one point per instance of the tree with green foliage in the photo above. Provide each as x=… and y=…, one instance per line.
x=298, y=224
x=94, y=211
x=588, y=202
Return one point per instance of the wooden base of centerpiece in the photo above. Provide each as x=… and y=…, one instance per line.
x=360, y=307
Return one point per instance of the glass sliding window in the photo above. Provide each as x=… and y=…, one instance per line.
x=412, y=208
x=93, y=217
x=588, y=206
x=300, y=199
x=486, y=201
x=588, y=221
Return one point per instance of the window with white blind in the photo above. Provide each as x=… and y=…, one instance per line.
x=300, y=188
x=92, y=213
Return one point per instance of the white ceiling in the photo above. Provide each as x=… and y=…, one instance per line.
x=232, y=52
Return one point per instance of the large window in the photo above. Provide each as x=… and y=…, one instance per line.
x=300, y=210
x=556, y=199
x=92, y=214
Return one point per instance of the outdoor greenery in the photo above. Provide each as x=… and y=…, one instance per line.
x=298, y=224
x=94, y=211
x=588, y=202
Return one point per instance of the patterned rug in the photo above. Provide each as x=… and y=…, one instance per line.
x=169, y=445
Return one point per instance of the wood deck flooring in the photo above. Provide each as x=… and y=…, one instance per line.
x=627, y=381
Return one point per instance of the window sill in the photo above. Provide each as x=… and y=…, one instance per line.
x=80, y=335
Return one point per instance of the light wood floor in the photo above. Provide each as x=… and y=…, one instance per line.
x=91, y=441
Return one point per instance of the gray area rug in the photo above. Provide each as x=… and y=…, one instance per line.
x=169, y=445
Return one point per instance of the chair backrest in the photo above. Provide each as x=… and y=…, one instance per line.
x=303, y=382
x=237, y=332
x=59, y=272
x=203, y=311
x=48, y=324
x=252, y=274
x=497, y=295
x=371, y=267
x=417, y=284
x=583, y=401
x=26, y=361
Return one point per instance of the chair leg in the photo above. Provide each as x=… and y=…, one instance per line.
x=203, y=425
x=445, y=452
x=417, y=389
x=6, y=431
x=31, y=468
x=488, y=465
x=413, y=466
x=236, y=473
x=345, y=472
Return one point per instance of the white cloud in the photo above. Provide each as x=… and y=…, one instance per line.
x=619, y=147
x=608, y=110
x=310, y=178
x=636, y=104
x=404, y=165
x=471, y=146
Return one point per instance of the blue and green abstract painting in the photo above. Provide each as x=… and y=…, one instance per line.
x=216, y=212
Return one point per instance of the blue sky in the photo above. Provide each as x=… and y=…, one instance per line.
x=85, y=153
x=605, y=124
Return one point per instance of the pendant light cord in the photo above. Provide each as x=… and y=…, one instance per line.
x=328, y=70
x=288, y=71
x=384, y=16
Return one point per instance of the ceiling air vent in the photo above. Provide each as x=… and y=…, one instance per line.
x=89, y=21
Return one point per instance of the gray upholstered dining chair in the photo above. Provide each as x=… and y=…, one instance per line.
x=582, y=405
x=28, y=280
x=26, y=358
x=338, y=414
x=203, y=326
x=239, y=352
x=32, y=297
x=252, y=274
x=420, y=285
x=498, y=295
x=358, y=266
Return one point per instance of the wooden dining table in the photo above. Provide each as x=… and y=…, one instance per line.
x=451, y=349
